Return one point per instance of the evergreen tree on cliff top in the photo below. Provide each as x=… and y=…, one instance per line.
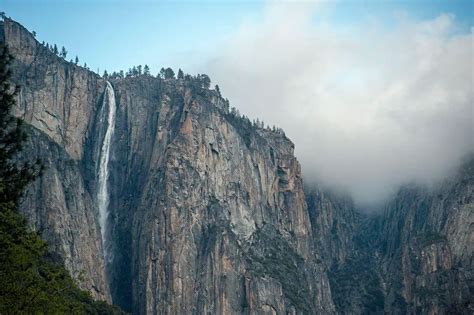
x=30, y=281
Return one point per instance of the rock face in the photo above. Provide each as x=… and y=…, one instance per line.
x=344, y=240
x=58, y=206
x=203, y=189
x=208, y=214
x=427, y=246
x=414, y=258
x=207, y=211
x=57, y=99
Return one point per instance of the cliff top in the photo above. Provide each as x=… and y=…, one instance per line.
x=24, y=47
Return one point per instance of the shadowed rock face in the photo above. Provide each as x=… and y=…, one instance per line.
x=427, y=246
x=208, y=214
x=416, y=257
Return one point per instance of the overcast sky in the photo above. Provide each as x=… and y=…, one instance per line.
x=374, y=94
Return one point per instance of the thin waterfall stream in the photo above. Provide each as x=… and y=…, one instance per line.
x=104, y=158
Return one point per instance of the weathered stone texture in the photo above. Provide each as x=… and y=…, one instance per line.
x=209, y=214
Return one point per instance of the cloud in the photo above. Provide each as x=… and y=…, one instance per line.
x=368, y=108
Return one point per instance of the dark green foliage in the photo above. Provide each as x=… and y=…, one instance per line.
x=169, y=73
x=32, y=282
x=63, y=52
x=146, y=70
x=356, y=277
x=242, y=125
x=204, y=80
x=180, y=74
x=13, y=177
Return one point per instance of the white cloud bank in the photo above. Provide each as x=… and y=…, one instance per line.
x=368, y=109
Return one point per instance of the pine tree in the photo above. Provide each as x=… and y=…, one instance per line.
x=180, y=74
x=146, y=70
x=12, y=136
x=63, y=52
x=162, y=73
x=55, y=50
x=139, y=70
x=76, y=61
x=218, y=90
x=204, y=80
x=169, y=73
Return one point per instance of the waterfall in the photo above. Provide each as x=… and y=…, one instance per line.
x=104, y=157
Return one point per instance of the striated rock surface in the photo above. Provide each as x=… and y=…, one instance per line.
x=416, y=257
x=58, y=206
x=346, y=242
x=57, y=98
x=427, y=247
x=208, y=214
x=207, y=186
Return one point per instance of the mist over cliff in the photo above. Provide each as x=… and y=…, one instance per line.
x=369, y=107
x=161, y=198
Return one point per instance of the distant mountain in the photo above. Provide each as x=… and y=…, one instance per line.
x=206, y=213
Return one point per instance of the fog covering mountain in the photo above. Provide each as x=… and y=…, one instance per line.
x=208, y=213
x=370, y=106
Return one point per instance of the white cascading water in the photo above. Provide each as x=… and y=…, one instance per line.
x=102, y=187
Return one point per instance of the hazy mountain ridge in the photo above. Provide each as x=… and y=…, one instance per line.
x=205, y=208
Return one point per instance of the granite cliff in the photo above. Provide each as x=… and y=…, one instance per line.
x=415, y=257
x=207, y=213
